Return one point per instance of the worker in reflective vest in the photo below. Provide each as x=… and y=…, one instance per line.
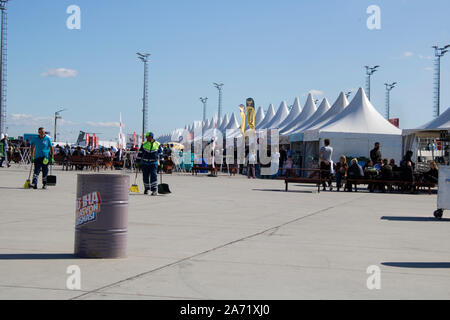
x=147, y=159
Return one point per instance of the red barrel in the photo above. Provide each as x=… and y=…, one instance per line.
x=101, y=219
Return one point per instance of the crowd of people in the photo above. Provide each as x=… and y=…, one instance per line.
x=377, y=170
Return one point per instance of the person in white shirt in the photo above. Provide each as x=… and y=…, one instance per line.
x=251, y=165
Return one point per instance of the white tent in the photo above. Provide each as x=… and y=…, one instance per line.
x=269, y=115
x=224, y=123
x=417, y=140
x=323, y=108
x=340, y=104
x=233, y=123
x=259, y=117
x=354, y=131
x=440, y=123
x=294, y=113
x=281, y=114
x=309, y=109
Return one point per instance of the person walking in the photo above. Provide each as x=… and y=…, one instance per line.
x=325, y=155
x=4, y=150
x=251, y=165
x=42, y=153
x=147, y=159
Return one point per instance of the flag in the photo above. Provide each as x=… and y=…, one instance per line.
x=242, y=110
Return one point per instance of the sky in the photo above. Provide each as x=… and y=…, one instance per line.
x=268, y=50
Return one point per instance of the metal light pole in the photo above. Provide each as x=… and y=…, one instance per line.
x=144, y=58
x=438, y=52
x=369, y=71
x=203, y=100
x=3, y=65
x=57, y=116
x=389, y=87
x=219, y=87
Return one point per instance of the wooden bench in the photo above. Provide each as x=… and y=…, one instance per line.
x=390, y=183
x=316, y=181
x=313, y=178
x=91, y=161
x=196, y=168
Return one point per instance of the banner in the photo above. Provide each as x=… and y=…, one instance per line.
x=251, y=113
x=242, y=111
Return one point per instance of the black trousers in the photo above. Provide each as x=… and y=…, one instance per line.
x=325, y=174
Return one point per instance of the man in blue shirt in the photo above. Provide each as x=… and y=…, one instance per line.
x=41, y=155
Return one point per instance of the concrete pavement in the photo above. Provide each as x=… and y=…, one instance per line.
x=227, y=238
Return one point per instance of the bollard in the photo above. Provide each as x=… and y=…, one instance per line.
x=101, y=223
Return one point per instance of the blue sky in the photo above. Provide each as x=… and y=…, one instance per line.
x=268, y=50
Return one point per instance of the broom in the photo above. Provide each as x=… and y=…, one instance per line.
x=134, y=187
x=28, y=182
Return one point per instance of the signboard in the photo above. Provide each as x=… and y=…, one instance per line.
x=395, y=122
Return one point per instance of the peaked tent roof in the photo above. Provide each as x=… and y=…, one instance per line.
x=339, y=105
x=441, y=122
x=233, y=123
x=224, y=123
x=269, y=115
x=259, y=117
x=309, y=109
x=295, y=112
x=360, y=116
x=281, y=114
x=323, y=108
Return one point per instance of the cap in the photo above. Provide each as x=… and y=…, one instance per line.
x=149, y=134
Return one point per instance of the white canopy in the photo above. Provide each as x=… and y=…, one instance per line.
x=281, y=114
x=259, y=117
x=309, y=109
x=440, y=123
x=295, y=111
x=323, y=108
x=340, y=104
x=233, y=123
x=354, y=131
x=269, y=115
x=224, y=123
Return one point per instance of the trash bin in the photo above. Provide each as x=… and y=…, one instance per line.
x=101, y=223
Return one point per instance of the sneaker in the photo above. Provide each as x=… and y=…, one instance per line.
x=44, y=186
x=34, y=186
x=154, y=193
x=146, y=191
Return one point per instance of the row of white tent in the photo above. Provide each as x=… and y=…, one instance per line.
x=352, y=127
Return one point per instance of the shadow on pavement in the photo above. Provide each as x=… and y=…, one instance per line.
x=418, y=265
x=37, y=256
x=279, y=190
x=416, y=219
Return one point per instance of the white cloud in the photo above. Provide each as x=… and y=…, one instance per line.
x=60, y=73
x=316, y=92
x=425, y=57
x=105, y=124
x=429, y=69
x=408, y=54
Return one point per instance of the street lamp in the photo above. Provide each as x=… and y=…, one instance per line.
x=438, y=52
x=369, y=71
x=219, y=87
x=389, y=87
x=57, y=116
x=203, y=100
x=144, y=58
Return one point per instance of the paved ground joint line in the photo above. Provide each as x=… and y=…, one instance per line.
x=214, y=249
